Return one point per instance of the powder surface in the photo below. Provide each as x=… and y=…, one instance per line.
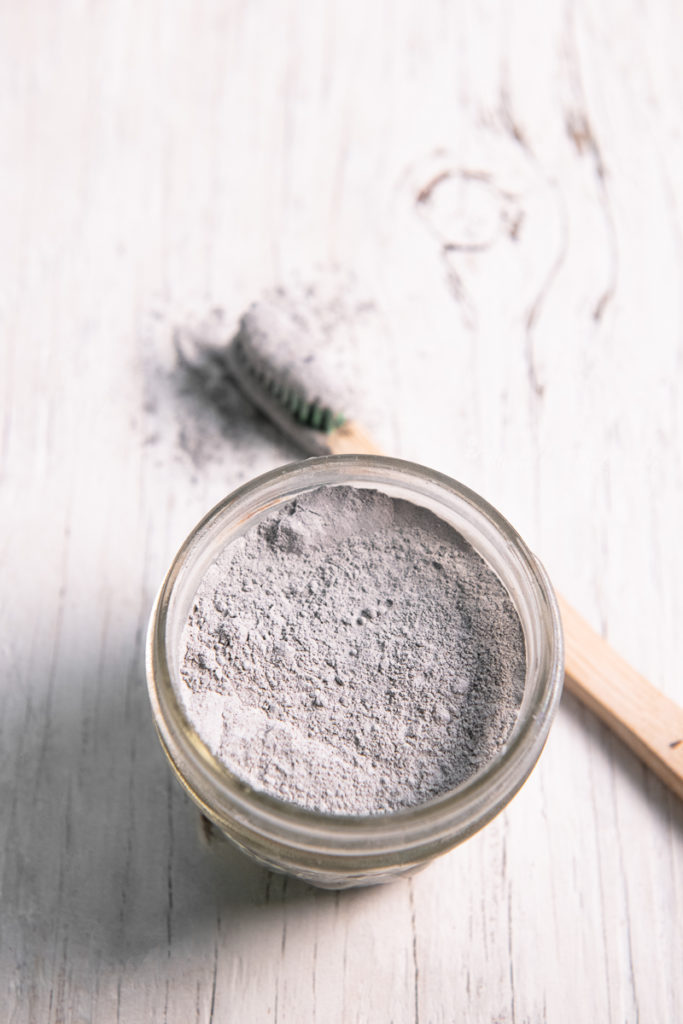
x=352, y=654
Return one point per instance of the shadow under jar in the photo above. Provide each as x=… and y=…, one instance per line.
x=335, y=850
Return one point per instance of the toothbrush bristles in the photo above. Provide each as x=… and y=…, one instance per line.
x=308, y=413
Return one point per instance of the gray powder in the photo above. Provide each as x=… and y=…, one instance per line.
x=352, y=654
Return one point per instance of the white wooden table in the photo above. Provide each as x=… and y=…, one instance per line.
x=504, y=183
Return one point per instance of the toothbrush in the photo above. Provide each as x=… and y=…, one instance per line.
x=279, y=364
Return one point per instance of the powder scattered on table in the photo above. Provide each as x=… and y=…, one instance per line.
x=352, y=654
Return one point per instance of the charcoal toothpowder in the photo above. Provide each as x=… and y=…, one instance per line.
x=351, y=653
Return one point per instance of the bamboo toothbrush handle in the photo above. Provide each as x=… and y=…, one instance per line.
x=647, y=721
x=351, y=439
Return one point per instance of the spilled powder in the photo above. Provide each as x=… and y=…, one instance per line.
x=352, y=654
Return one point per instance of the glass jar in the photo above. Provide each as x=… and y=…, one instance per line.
x=336, y=851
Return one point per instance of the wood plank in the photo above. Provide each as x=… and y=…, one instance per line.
x=503, y=188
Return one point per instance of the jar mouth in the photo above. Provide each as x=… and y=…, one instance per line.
x=436, y=824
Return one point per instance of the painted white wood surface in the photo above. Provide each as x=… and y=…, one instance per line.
x=504, y=183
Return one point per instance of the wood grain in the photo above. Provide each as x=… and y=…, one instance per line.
x=504, y=187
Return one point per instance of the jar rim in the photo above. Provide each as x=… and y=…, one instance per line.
x=435, y=824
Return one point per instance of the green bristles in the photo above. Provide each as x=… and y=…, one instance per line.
x=316, y=417
x=308, y=414
x=304, y=412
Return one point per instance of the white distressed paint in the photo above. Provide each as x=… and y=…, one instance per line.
x=506, y=185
